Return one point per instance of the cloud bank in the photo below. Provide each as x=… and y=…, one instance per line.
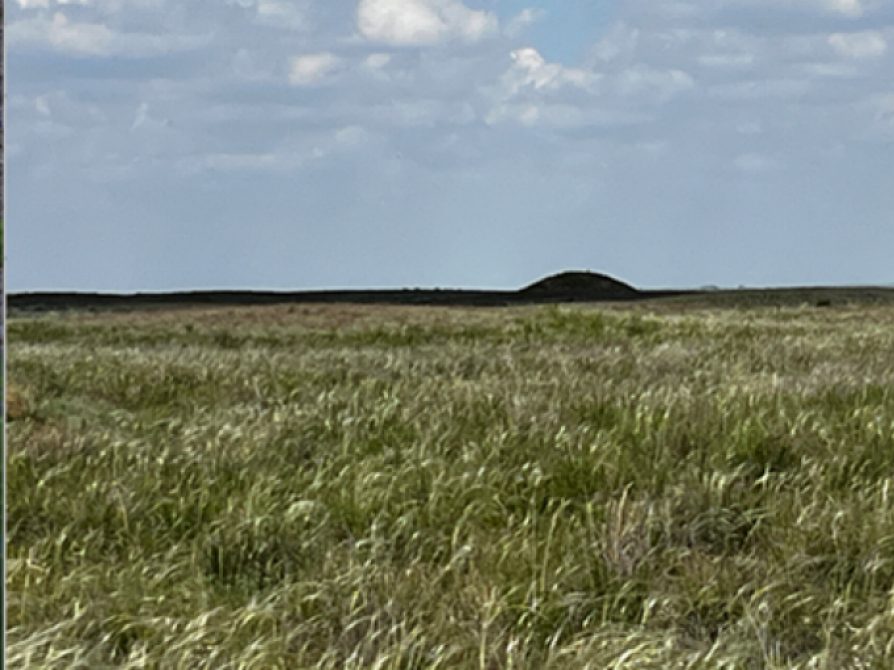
x=360, y=128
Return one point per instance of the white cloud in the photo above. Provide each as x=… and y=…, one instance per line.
x=522, y=20
x=141, y=116
x=868, y=44
x=849, y=8
x=59, y=107
x=45, y=4
x=293, y=153
x=143, y=119
x=377, y=61
x=105, y=6
x=621, y=42
x=526, y=114
x=530, y=69
x=424, y=113
x=534, y=91
x=735, y=60
x=376, y=65
x=846, y=8
x=768, y=12
x=42, y=105
x=59, y=33
x=830, y=70
x=422, y=22
x=761, y=90
x=882, y=108
x=558, y=115
x=400, y=21
x=652, y=83
x=281, y=14
x=63, y=35
x=286, y=157
x=351, y=136
x=312, y=68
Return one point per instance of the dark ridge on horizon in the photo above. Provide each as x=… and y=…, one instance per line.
x=572, y=286
x=563, y=287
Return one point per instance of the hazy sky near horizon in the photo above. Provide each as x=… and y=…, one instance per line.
x=161, y=144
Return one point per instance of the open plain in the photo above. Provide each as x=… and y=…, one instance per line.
x=677, y=483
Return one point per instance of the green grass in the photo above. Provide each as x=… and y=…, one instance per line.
x=353, y=487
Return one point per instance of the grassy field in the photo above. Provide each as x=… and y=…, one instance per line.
x=653, y=486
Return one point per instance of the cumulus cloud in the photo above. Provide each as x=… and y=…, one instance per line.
x=656, y=84
x=82, y=38
x=141, y=116
x=525, y=114
x=850, y=8
x=769, y=15
x=690, y=98
x=729, y=60
x=377, y=61
x=351, y=136
x=290, y=15
x=880, y=110
x=560, y=115
x=295, y=153
x=862, y=45
x=534, y=91
x=522, y=20
x=45, y=4
x=530, y=69
x=311, y=69
x=764, y=90
x=63, y=35
x=422, y=113
x=620, y=43
x=145, y=120
x=422, y=22
x=104, y=6
x=60, y=107
x=42, y=105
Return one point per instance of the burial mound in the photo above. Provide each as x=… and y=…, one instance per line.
x=580, y=286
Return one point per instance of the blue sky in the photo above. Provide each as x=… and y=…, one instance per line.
x=157, y=145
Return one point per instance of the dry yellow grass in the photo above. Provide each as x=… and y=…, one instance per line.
x=17, y=405
x=625, y=487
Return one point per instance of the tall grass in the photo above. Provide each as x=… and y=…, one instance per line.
x=529, y=488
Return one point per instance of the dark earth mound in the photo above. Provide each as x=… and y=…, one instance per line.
x=581, y=286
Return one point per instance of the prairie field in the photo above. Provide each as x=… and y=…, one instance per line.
x=648, y=486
